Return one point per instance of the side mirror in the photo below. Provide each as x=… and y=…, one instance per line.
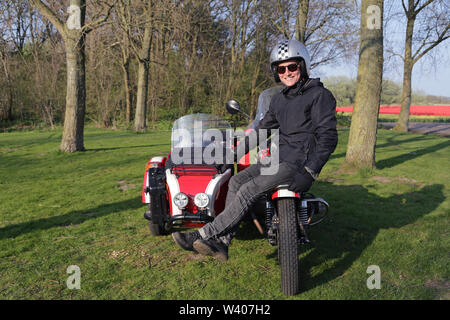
x=233, y=106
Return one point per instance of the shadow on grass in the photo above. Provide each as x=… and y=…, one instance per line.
x=391, y=141
x=391, y=162
x=352, y=226
x=355, y=225
x=71, y=218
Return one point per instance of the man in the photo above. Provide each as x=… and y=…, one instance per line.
x=304, y=113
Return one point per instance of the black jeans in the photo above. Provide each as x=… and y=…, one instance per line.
x=243, y=190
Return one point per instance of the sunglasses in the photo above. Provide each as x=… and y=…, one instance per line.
x=292, y=68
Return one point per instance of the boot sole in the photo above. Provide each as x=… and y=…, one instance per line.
x=204, y=249
x=180, y=242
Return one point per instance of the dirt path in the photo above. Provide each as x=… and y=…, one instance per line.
x=439, y=128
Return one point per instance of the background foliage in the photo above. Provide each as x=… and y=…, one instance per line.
x=202, y=53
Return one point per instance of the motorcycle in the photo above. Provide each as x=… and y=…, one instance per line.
x=187, y=190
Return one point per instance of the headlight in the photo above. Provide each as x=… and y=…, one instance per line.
x=201, y=200
x=180, y=200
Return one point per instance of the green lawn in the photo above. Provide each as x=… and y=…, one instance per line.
x=85, y=209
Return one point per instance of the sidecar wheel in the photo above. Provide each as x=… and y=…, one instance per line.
x=287, y=246
x=156, y=229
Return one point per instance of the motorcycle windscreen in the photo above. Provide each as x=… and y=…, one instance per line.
x=201, y=139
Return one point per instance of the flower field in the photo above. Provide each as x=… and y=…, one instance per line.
x=436, y=110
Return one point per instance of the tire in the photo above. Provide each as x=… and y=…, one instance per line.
x=156, y=229
x=287, y=246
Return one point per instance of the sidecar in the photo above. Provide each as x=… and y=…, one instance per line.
x=188, y=187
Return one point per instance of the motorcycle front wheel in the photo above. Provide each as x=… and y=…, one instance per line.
x=287, y=246
x=156, y=229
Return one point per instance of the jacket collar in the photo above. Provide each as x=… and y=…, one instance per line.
x=301, y=86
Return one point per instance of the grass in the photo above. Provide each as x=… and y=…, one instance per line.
x=85, y=209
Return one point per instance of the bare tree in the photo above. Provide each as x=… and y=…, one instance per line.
x=363, y=129
x=14, y=26
x=239, y=15
x=121, y=25
x=136, y=21
x=423, y=34
x=74, y=33
x=327, y=27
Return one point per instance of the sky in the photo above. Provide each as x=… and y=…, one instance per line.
x=434, y=81
x=430, y=74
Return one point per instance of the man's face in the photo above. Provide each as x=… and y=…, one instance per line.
x=289, y=78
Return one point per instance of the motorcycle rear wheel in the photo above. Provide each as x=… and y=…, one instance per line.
x=287, y=246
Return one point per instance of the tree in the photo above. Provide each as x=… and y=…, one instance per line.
x=136, y=21
x=143, y=57
x=74, y=33
x=326, y=27
x=302, y=19
x=14, y=26
x=123, y=18
x=363, y=130
x=433, y=29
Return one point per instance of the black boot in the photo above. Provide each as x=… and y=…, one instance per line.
x=186, y=240
x=213, y=248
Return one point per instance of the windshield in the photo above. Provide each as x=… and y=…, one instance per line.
x=200, y=135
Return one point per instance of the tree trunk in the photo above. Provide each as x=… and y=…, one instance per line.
x=253, y=96
x=140, y=124
x=73, y=137
x=9, y=110
x=126, y=84
x=302, y=18
x=363, y=129
x=234, y=36
x=140, y=119
x=403, y=119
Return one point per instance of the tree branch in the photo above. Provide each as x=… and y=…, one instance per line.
x=423, y=6
x=442, y=37
x=98, y=23
x=50, y=15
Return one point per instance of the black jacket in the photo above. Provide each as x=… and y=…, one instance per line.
x=305, y=115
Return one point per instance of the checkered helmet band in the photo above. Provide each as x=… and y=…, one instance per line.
x=283, y=50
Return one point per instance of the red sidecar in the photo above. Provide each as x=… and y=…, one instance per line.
x=188, y=187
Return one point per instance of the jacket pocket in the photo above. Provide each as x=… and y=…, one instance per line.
x=303, y=144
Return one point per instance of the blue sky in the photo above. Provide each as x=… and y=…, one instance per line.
x=432, y=80
x=430, y=74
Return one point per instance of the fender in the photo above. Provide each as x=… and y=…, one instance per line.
x=174, y=189
x=152, y=163
x=213, y=188
x=285, y=193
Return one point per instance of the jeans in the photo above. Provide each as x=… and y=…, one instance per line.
x=243, y=190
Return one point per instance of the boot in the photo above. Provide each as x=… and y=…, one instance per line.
x=213, y=248
x=186, y=240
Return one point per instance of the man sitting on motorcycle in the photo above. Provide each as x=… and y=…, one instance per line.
x=304, y=114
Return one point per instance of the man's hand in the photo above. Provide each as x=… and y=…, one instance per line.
x=301, y=181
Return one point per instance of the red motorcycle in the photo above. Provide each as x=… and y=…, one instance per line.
x=187, y=189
